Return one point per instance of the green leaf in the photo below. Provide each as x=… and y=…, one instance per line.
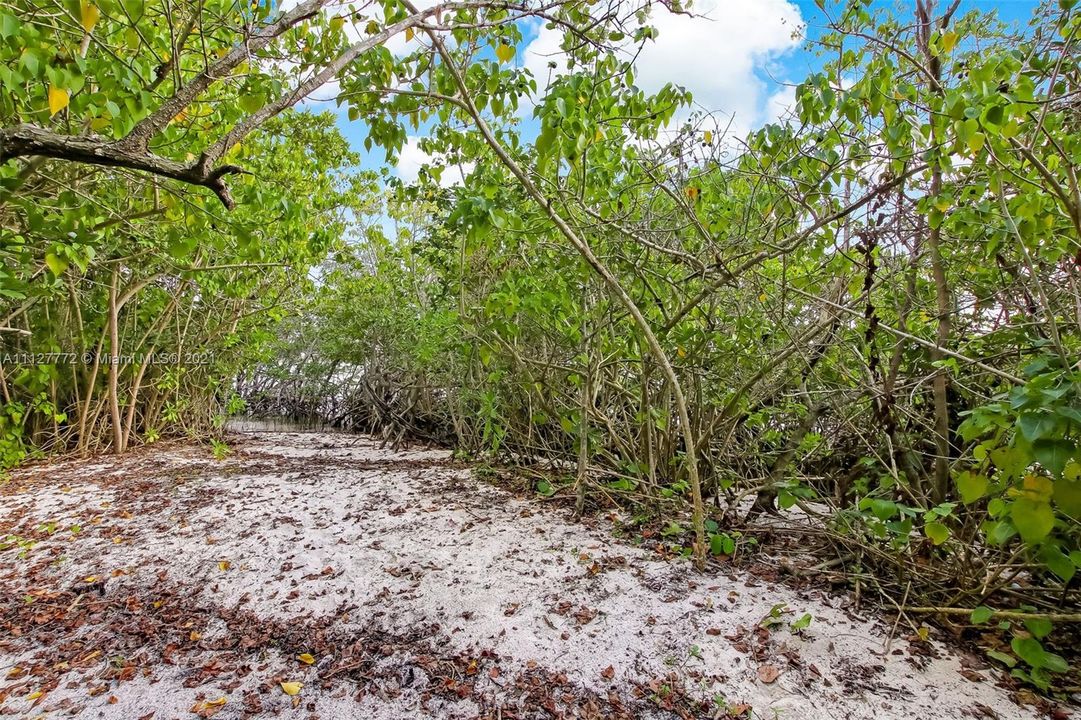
x=1030, y=650
x=1058, y=562
x=1033, y=519
x=1036, y=425
x=722, y=544
x=1053, y=454
x=938, y=532
x=883, y=509
x=1068, y=496
x=1040, y=627
x=251, y=102
x=9, y=25
x=802, y=623
x=1012, y=461
x=980, y=615
x=999, y=532
x=544, y=141
x=972, y=486
x=1055, y=663
x=57, y=265
x=1007, y=660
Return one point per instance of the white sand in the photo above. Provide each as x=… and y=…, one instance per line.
x=312, y=528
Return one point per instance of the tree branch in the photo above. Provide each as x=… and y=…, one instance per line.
x=24, y=140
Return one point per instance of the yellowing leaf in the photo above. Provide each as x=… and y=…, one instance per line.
x=208, y=708
x=224, y=565
x=336, y=22
x=504, y=52
x=34, y=695
x=58, y=99
x=90, y=578
x=409, y=33
x=291, y=688
x=90, y=15
x=306, y=658
x=949, y=40
x=1038, y=487
x=195, y=636
x=707, y=137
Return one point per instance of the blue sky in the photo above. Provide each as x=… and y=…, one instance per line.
x=1008, y=10
x=742, y=62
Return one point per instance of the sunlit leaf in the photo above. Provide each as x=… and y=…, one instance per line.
x=58, y=99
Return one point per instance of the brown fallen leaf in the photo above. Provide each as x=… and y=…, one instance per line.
x=608, y=673
x=971, y=675
x=768, y=673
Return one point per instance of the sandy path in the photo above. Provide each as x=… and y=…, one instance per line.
x=170, y=585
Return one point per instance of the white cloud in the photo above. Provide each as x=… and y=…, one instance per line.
x=542, y=51
x=718, y=55
x=412, y=158
x=780, y=104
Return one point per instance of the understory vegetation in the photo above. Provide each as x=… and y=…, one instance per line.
x=863, y=317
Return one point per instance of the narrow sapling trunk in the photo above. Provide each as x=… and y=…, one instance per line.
x=114, y=366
